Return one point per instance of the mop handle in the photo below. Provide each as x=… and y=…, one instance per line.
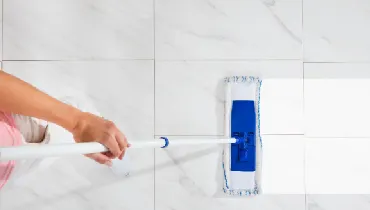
x=51, y=150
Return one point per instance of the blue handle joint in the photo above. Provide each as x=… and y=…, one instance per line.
x=166, y=142
x=243, y=128
x=244, y=142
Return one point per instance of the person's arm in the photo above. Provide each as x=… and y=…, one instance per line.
x=19, y=97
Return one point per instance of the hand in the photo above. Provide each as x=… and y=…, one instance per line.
x=89, y=127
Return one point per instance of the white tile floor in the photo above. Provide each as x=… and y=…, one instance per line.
x=155, y=67
x=78, y=30
x=190, y=96
x=336, y=31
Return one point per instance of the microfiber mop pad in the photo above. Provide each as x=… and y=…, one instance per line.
x=242, y=161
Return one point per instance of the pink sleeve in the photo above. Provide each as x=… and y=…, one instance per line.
x=9, y=136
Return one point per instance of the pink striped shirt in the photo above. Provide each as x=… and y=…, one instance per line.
x=9, y=136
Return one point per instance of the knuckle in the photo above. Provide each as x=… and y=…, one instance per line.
x=116, y=152
x=105, y=139
x=110, y=125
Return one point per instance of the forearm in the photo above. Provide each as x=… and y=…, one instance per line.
x=19, y=97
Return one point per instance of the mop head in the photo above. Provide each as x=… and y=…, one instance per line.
x=242, y=160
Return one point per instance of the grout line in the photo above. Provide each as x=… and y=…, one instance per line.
x=178, y=60
x=189, y=135
x=303, y=110
x=337, y=137
x=2, y=50
x=154, y=108
x=282, y=134
x=365, y=62
x=82, y=60
x=307, y=137
x=225, y=60
x=181, y=60
x=2, y=32
x=189, y=60
x=221, y=136
x=304, y=143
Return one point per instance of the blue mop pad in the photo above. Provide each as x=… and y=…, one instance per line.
x=242, y=160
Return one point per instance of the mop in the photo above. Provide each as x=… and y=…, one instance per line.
x=242, y=161
x=242, y=147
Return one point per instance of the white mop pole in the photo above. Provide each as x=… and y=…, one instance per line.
x=52, y=150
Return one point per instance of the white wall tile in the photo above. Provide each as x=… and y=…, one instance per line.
x=220, y=29
x=336, y=30
x=190, y=96
x=78, y=29
x=192, y=176
x=336, y=99
x=337, y=166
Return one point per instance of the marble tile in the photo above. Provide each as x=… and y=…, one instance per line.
x=335, y=105
x=336, y=30
x=82, y=29
x=122, y=92
x=220, y=29
x=44, y=188
x=190, y=96
x=337, y=166
x=191, y=177
x=79, y=183
x=338, y=202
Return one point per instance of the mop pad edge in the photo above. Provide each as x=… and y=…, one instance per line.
x=256, y=175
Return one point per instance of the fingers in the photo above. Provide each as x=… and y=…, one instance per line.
x=110, y=141
x=112, y=145
x=115, y=141
x=122, y=142
x=119, y=139
x=100, y=158
x=108, y=154
x=103, y=131
x=90, y=127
